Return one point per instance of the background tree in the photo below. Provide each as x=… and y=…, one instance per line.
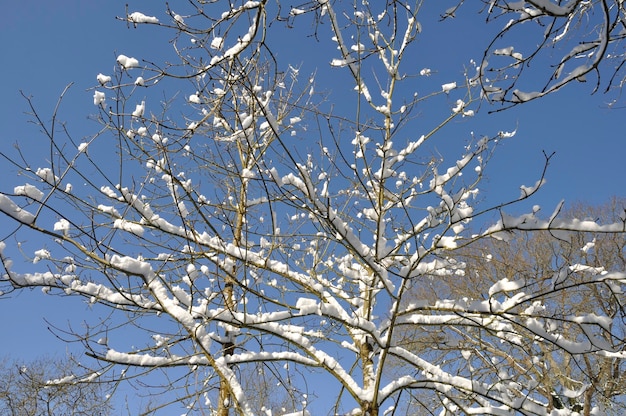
x=248, y=230
x=48, y=386
x=578, y=382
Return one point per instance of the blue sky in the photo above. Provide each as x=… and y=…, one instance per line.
x=47, y=45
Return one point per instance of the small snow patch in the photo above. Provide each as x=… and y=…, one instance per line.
x=103, y=79
x=127, y=62
x=29, y=191
x=139, y=110
x=217, y=43
x=138, y=17
x=12, y=210
x=98, y=98
x=448, y=87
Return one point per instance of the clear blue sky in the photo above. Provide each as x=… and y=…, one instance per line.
x=46, y=45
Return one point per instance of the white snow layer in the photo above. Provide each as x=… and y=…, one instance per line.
x=127, y=63
x=103, y=79
x=12, y=210
x=448, y=87
x=98, y=98
x=29, y=191
x=139, y=110
x=138, y=17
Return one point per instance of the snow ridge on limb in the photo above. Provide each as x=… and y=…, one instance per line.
x=530, y=222
x=587, y=52
x=10, y=208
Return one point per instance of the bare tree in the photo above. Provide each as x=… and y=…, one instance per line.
x=544, y=45
x=580, y=382
x=47, y=386
x=255, y=228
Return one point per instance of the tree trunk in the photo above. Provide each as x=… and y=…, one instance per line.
x=224, y=405
x=365, y=354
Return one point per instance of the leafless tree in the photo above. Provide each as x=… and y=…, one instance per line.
x=47, y=386
x=255, y=228
x=543, y=45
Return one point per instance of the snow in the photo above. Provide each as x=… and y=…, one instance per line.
x=247, y=173
x=530, y=222
x=529, y=190
x=29, y=191
x=307, y=306
x=41, y=254
x=138, y=17
x=62, y=380
x=579, y=72
x=245, y=40
x=591, y=318
x=460, y=104
x=47, y=175
x=107, y=191
x=294, y=11
x=520, y=96
x=8, y=207
x=142, y=360
x=131, y=227
x=505, y=285
x=509, y=51
x=139, y=110
x=62, y=225
x=448, y=87
x=340, y=62
x=251, y=4
x=588, y=246
x=380, y=263
x=548, y=6
x=246, y=121
x=447, y=242
x=572, y=347
x=217, y=43
x=103, y=79
x=507, y=134
x=126, y=62
x=503, y=51
x=158, y=139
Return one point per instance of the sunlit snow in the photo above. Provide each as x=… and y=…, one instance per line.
x=14, y=211
x=103, y=79
x=126, y=62
x=448, y=87
x=139, y=110
x=29, y=191
x=138, y=17
x=98, y=98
